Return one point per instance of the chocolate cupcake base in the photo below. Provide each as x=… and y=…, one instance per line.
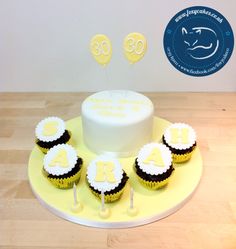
x=153, y=181
x=45, y=146
x=66, y=181
x=180, y=156
x=114, y=194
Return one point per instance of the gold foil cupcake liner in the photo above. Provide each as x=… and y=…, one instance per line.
x=109, y=197
x=180, y=158
x=64, y=183
x=45, y=150
x=152, y=184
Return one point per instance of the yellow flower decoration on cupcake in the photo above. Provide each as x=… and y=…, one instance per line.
x=135, y=46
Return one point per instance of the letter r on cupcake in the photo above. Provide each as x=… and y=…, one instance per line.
x=104, y=172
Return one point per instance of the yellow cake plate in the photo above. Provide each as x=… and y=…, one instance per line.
x=152, y=205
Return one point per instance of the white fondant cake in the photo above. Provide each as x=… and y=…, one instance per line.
x=117, y=122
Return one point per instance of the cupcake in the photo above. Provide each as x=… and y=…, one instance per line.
x=50, y=132
x=153, y=166
x=106, y=174
x=181, y=140
x=62, y=166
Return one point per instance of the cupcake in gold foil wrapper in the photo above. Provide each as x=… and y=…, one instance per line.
x=153, y=166
x=62, y=167
x=180, y=138
x=180, y=158
x=105, y=174
x=153, y=184
x=49, y=132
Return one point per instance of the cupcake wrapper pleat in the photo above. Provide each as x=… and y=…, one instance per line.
x=45, y=150
x=153, y=185
x=65, y=183
x=180, y=158
x=110, y=197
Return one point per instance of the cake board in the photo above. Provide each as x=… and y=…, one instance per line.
x=152, y=204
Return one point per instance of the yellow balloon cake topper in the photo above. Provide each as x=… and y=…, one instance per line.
x=101, y=49
x=135, y=46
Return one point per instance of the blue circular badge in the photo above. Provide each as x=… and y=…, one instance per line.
x=198, y=41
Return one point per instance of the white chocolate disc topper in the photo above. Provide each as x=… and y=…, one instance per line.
x=135, y=46
x=104, y=173
x=60, y=159
x=101, y=49
x=50, y=129
x=180, y=136
x=154, y=158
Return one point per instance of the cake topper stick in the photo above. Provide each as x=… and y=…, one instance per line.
x=132, y=210
x=75, y=195
x=131, y=198
x=135, y=46
x=104, y=211
x=77, y=206
x=103, y=200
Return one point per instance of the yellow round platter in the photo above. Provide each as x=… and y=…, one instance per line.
x=152, y=205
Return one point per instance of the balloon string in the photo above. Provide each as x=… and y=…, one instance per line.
x=130, y=72
x=107, y=76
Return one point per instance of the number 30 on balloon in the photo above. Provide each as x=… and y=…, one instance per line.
x=135, y=46
x=101, y=49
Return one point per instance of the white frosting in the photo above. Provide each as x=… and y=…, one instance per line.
x=181, y=146
x=60, y=129
x=104, y=185
x=53, y=152
x=117, y=121
x=151, y=168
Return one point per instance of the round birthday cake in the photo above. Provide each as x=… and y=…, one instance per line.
x=117, y=122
